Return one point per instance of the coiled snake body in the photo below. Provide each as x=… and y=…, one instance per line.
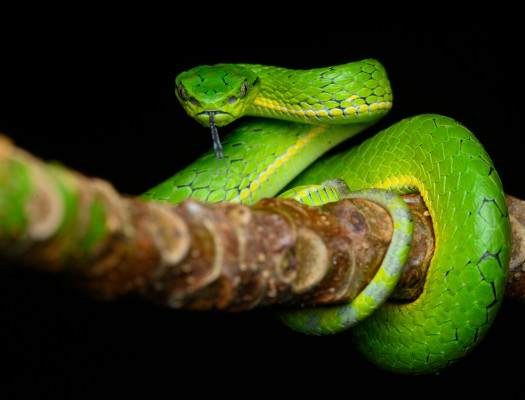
x=430, y=154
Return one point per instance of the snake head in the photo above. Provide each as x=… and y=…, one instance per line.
x=223, y=90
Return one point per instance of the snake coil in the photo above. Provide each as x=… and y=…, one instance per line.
x=307, y=112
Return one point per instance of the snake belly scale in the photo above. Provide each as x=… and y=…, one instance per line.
x=307, y=113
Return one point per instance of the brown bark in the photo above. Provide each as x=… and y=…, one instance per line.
x=207, y=256
x=516, y=282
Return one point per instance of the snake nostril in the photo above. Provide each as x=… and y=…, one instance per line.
x=232, y=99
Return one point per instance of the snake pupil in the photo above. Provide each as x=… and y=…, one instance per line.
x=244, y=90
x=182, y=93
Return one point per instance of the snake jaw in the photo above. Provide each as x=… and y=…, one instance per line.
x=221, y=118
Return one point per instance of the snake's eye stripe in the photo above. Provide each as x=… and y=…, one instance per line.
x=255, y=82
x=244, y=90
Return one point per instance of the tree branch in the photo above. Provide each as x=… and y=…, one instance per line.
x=206, y=256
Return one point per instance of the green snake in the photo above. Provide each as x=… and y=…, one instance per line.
x=308, y=112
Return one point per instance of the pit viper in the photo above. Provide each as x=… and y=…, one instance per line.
x=305, y=114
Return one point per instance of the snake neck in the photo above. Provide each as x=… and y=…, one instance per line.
x=343, y=94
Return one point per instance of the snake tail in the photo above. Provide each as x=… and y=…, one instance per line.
x=336, y=318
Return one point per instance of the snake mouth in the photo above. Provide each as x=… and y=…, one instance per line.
x=219, y=118
x=213, y=112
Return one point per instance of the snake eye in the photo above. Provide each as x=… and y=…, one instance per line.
x=182, y=93
x=244, y=90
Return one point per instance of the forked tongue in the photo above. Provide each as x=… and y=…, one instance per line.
x=216, y=140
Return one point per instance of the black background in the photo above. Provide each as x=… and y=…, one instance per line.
x=95, y=91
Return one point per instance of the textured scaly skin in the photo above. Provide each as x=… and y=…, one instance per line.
x=429, y=154
x=442, y=160
x=329, y=105
x=334, y=95
x=262, y=156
